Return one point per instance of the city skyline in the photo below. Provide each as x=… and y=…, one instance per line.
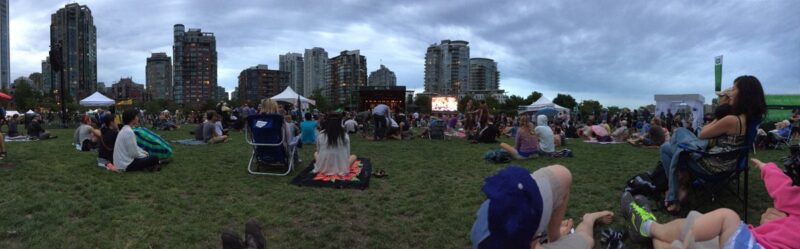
x=546, y=47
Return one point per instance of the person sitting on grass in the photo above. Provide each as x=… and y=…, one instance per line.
x=108, y=137
x=526, y=143
x=36, y=129
x=621, y=133
x=127, y=155
x=83, y=135
x=211, y=133
x=333, y=149
x=724, y=225
x=351, y=126
x=308, y=130
x=656, y=135
x=523, y=207
x=13, y=123
x=545, y=135
x=488, y=134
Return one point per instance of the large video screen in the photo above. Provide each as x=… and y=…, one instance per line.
x=444, y=104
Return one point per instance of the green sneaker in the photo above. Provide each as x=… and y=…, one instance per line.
x=639, y=216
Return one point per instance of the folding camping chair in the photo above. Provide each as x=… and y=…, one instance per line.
x=265, y=133
x=437, y=129
x=782, y=141
x=714, y=183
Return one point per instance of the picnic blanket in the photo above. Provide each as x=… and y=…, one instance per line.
x=18, y=139
x=360, y=173
x=152, y=143
x=190, y=141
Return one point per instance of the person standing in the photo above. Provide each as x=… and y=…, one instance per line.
x=379, y=115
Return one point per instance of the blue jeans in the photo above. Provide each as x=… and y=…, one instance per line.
x=667, y=154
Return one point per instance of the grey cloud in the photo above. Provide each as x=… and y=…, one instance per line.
x=620, y=52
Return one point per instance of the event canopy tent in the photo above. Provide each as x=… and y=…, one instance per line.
x=290, y=96
x=97, y=99
x=540, y=104
x=690, y=103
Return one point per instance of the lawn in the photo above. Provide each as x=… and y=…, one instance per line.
x=56, y=197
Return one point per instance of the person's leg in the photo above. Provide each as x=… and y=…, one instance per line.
x=510, y=149
x=721, y=222
x=586, y=227
x=142, y=163
x=671, y=172
x=562, y=181
x=2, y=144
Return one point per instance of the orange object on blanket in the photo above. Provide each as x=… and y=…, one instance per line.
x=355, y=170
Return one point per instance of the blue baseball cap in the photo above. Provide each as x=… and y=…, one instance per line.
x=511, y=215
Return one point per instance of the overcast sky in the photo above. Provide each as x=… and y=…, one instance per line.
x=618, y=52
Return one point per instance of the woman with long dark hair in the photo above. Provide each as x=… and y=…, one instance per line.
x=333, y=148
x=721, y=135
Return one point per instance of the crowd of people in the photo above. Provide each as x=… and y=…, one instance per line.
x=522, y=209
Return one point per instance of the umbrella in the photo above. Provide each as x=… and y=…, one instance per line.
x=549, y=112
x=4, y=96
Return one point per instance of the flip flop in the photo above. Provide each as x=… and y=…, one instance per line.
x=380, y=174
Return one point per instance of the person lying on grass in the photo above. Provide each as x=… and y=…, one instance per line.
x=333, y=148
x=523, y=207
x=127, y=155
x=526, y=143
x=724, y=226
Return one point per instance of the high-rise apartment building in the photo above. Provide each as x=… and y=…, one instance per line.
x=159, y=76
x=348, y=73
x=483, y=75
x=382, y=77
x=221, y=94
x=315, y=70
x=73, y=28
x=258, y=82
x=47, y=76
x=5, y=69
x=293, y=63
x=195, y=66
x=447, y=68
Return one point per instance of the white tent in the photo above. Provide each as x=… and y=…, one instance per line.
x=290, y=96
x=687, y=103
x=30, y=112
x=542, y=103
x=97, y=99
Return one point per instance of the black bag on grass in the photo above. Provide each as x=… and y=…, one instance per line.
x=497, y=156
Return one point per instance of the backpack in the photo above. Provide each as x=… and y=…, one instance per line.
x=497, y=156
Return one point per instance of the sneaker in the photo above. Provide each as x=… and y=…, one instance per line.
x=231, y=240
x=626, y=202
x=639, y=216
x=253, y=237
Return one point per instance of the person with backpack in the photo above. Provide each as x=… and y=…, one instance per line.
x=526, y=143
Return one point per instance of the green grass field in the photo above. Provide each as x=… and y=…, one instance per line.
x=56, y=197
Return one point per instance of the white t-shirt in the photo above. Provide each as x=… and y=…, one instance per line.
x=381, y=110
x=394, y=123
x=350, y=125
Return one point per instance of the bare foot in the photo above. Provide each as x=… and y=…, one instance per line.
x=605, y=217
x=566, y=226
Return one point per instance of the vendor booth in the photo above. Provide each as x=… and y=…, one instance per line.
x=547, y=107
x=290, y=96
x=97, y=99
x=689, y=105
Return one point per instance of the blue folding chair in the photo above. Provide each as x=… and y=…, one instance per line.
x=265, y=132
x=714, y=183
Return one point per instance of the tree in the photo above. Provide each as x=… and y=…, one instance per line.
x=493, y=103
x=462, y=103
x=321, y=102
x=613, y=110
x=565, y=100
x=533, y=97
x=590, y=107
x=24, y=96
x=423, y=103
x=513, y=103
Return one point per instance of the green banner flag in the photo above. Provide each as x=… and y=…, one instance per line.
x=718, y=73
